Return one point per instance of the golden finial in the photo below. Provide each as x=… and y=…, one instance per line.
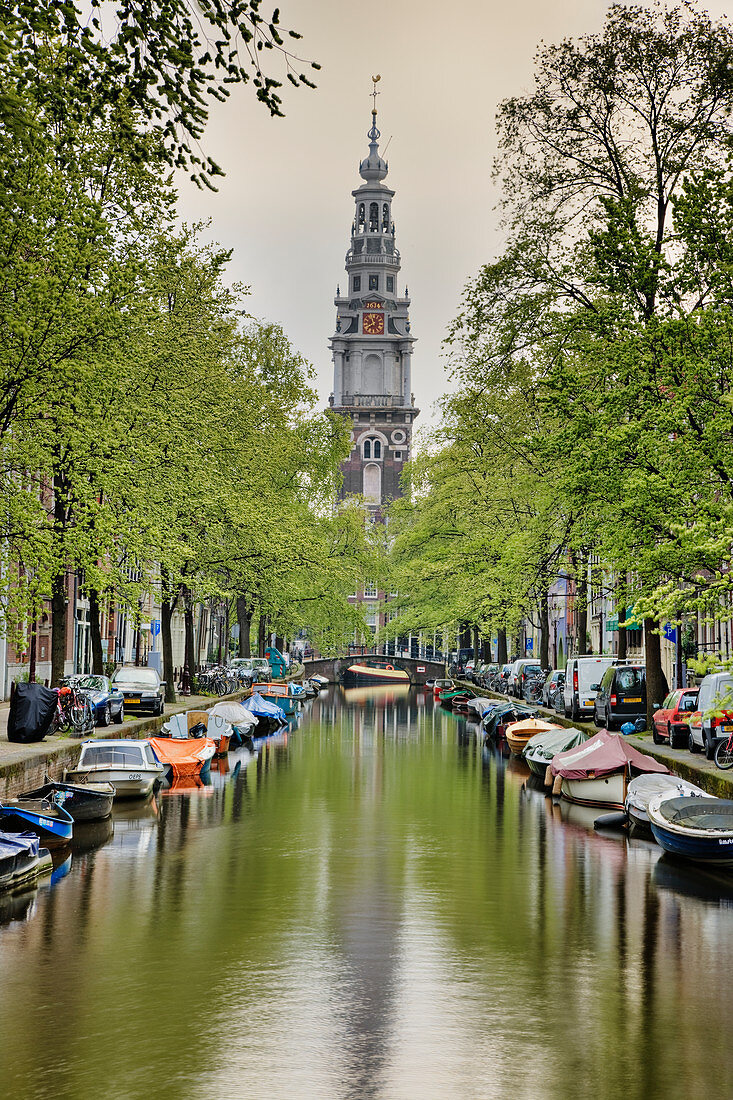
x=375, y=93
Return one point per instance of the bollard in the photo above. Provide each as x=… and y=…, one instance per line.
x=557, y=785
x=548, y=775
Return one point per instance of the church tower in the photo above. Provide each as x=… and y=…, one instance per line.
x=372, y=344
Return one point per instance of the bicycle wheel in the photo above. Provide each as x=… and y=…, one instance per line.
x=724, y=754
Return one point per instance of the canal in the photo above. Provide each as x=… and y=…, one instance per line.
x=376, y=907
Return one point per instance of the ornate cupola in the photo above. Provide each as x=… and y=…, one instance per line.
x=372, y=344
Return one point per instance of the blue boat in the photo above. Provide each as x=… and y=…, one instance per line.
x=279, y=694
x=22, y=859
x=694, y=828
x=264, y=711
x=44, y=817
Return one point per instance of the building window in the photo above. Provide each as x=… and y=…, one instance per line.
x=377, y=449
x=390, y=283
x=370, y=590
x=374, y=282
x=398, y=456
x=385, y=217
x=357, y=283
x=373, y=216
x=367, y=448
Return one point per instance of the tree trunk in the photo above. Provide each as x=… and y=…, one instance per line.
x=261, y=635
x=95, y=633
x=32, y=662
x=582, y=598
x=189, y=644
x=244, y=618
x=544, y=631
x=501, y=646
x=166, y=635
x=476, y=647
x=621, y=595
x=656, y=682
x=58, y=628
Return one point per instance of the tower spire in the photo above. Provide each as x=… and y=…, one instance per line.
x=373, y=167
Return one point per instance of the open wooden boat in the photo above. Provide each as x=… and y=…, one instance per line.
x=376, y=672
x=694, y=828
x=42, y=816
x=87, y=802
x=22, y=859
x=518, y=733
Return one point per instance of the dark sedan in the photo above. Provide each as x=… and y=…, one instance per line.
x=107, y=701
x=142, y=688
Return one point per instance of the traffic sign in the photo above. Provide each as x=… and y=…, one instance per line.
x=155, y=627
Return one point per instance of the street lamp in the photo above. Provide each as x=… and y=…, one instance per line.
x=555, y=614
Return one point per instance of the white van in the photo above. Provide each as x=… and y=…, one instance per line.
x=582, y=675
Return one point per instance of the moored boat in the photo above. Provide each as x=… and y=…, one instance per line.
x=644, y=788
x=50, y=822
x=279, y=694
x=130, y=766
x=376, y=672
x=85, y=802
x=22, y=859
x=184, y=757
x=518, y=733
x=694, y=828
x=270, y=716
x=598, y=772
x=540, y=749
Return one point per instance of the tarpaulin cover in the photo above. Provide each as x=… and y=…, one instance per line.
x=549, y=743
x=235, y=714
x=184, y=756
x=262, y=708
x=644, y=788
x=601, y=755
x=31, y=713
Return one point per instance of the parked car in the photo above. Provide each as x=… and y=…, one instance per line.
x=263, y=668
x=672, y=721
x=108, y=702
x=142, y=688
x=582, y=677
x=518, y=676
x=244, y=668
x=621, y=696
x=555, y=679
x=715, y=711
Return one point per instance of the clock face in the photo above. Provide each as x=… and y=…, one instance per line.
x=373, y=324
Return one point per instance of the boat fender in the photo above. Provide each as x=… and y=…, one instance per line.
x=557, y=785
x=548, y=775
x=615, y=820
x=389, y=668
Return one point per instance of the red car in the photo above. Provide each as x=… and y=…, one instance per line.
x=672, y=721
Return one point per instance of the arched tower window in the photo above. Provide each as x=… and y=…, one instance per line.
x=385, y=217
x=373, y=217
x=362, y=213
x=367, y=448
x=377, y=448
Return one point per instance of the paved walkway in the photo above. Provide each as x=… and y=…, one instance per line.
x=18, y=762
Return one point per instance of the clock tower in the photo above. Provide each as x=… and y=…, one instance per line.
x=372, y=344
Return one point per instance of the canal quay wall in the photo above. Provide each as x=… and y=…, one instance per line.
x=23, y=767
x=681, y=762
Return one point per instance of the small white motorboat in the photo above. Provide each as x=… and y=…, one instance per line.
x=646, y=787
x=131, y=767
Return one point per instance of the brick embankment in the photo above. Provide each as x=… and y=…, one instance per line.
x=23, y=767
x=695, y=769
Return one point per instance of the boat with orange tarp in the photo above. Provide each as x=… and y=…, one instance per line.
x=184, y=757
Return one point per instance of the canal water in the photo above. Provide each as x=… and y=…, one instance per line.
x=374, y=907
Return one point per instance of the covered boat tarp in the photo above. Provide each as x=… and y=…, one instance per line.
x=697, y=813
x=235, y=714
x=184, y=756
x=549, y=743
x=603, y=754
x=262, y=708
x=32, y=708
x=643, y=788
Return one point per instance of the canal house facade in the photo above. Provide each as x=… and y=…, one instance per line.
x=372, y=348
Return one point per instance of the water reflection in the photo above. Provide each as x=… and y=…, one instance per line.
x=373, y=905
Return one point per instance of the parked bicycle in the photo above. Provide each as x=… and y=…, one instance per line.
x=724, y=753
x=74, y=711
x=532, y=691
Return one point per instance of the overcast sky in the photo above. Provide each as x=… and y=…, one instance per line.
x=285, y=206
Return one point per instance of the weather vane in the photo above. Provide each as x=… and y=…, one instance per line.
x=375, y=93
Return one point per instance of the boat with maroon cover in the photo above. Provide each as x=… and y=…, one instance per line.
x=598, y=772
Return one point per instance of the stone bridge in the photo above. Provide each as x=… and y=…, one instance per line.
x=333, y=668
